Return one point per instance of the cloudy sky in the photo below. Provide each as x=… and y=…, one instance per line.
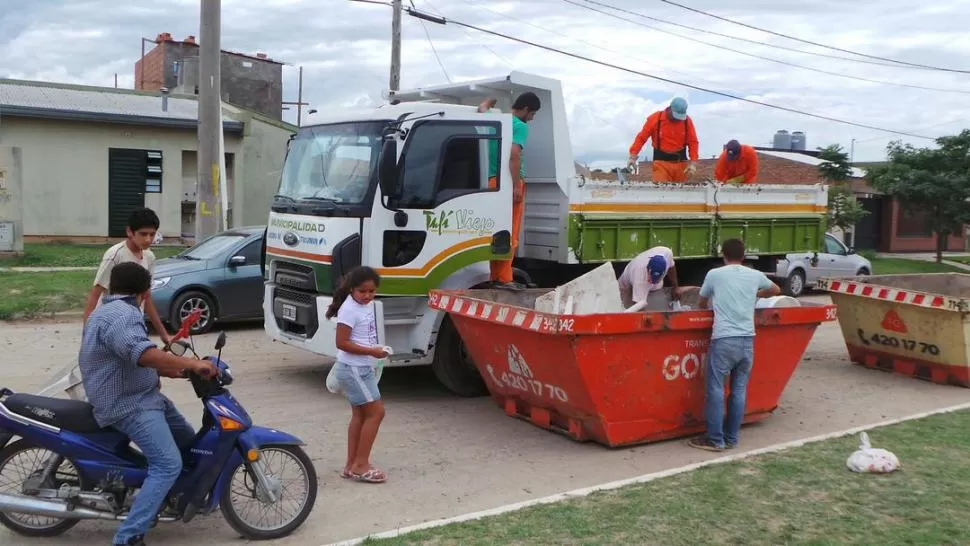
x=344, y=48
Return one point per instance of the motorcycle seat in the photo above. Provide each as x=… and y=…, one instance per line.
x=70, y=415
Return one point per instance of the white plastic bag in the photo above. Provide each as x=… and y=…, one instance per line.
x=381, y=362
x=870, y=459
x=333, y=384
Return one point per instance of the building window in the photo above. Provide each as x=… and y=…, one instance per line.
x=914, y=222
x=153, y=171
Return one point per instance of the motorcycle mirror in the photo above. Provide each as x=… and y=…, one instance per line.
x=221, y=341
x=178, y=347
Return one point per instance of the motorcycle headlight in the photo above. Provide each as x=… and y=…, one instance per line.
x=159, y=282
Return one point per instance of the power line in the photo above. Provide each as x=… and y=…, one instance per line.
x=433, y=49
x=441, y=20
x=580, y=40
x=756, y=56
x=782, y=35
x=739, y=38
x=923, y=128
x=472, y=38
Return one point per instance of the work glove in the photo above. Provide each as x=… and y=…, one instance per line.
x=736, y=180
x=691, y=169
x=632, y=161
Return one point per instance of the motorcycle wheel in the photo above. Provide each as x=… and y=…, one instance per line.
x=67, y=472
x=242, y=489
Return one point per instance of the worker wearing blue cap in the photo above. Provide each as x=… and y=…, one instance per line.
x=645, y=274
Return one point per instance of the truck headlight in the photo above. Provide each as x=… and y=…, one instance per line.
x=160, y=282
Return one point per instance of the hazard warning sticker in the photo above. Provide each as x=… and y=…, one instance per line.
x=893, y=322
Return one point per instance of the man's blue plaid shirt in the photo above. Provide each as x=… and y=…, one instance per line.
x=115, y=337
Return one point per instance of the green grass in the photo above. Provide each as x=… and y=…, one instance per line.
x=899, y=266
x=961, y=259
x=71, y=255
x=27, y=295
x=803, y=496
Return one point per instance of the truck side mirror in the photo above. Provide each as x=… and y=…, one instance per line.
x=388, y=171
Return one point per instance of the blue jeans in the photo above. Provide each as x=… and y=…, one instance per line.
x=161, y=436
x=732, y=356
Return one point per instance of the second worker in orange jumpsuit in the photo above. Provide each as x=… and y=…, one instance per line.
x=738, y=164
x=674, y=143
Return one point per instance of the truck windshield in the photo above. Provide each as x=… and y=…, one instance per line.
x=332, y=162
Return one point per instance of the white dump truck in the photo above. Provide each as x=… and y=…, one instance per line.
x=403, y=188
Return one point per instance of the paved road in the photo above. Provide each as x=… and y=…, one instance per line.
x=447, y=456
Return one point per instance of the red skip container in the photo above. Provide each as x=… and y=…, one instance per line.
x=618, y=378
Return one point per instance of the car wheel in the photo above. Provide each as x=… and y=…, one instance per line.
x=795, y=283
x=863, y=272
x=189, y=301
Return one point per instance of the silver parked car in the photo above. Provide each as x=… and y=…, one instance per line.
x=800, y=270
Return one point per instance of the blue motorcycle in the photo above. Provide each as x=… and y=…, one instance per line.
x=65, y=468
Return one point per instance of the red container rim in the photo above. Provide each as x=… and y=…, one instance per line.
x=463, y=302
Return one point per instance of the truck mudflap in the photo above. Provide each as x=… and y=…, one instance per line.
x=913, y=325
x=616, y=378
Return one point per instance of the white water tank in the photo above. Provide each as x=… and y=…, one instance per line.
x=782, y=140
x=798, y=140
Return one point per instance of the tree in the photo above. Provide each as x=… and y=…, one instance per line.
x=934, y=180
x=844, y=211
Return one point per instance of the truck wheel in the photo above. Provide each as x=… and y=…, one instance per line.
x=452, y=365
x=795, y=283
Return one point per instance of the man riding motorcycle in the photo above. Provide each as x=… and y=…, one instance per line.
x=121, y=370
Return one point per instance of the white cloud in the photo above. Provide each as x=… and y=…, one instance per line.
x=344, y=49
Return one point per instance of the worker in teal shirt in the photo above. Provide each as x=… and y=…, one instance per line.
x=523, y=111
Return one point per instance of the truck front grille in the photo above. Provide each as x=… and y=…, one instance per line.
x=297, y=276
x=295, y=312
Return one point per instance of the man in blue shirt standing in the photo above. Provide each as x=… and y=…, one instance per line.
x=732, y=290
x=120, y=368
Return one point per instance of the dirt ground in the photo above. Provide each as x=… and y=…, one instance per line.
x=447, y=456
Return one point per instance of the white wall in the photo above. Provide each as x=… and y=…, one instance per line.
x=65, y=172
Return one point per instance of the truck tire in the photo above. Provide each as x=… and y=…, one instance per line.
x=794, y=284
x=453, y=367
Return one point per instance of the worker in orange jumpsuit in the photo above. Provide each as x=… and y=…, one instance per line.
x=738, y=164
x=673, y=135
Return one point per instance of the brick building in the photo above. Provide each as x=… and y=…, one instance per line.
x=889, y=227
x=254, y=82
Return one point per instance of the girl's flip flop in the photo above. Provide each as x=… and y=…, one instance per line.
x=371, y=476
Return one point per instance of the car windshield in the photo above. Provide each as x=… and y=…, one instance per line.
x=211, y=247
x=332, y=162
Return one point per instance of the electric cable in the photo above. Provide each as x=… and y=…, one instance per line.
x=809, y=42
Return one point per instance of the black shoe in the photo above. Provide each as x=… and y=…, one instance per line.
x=511, y=286
x=702, y=442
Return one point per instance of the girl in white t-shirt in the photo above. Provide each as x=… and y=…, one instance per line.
x=356, y=350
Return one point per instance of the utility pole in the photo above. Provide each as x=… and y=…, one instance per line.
x=852, y=152
x=396, y=46
x=299, y=102
x=208, y=204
